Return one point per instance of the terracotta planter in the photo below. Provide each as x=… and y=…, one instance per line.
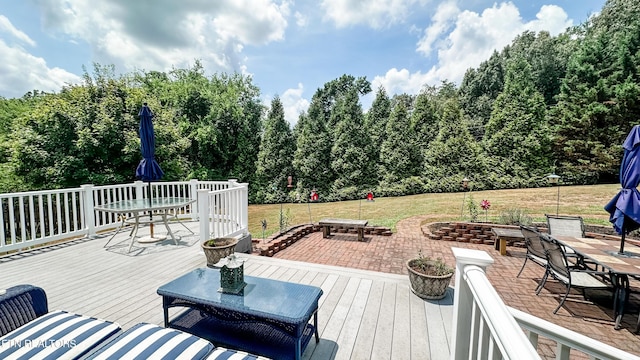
x=224, y=247
x=429, y=287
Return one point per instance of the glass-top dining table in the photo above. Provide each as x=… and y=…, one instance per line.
x=159, y=207
x=621, y=267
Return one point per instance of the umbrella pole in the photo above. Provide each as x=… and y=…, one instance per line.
x=150, y=211
x=622, y=241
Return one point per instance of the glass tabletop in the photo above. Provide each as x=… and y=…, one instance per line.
x=261, y=297
x=136, y=205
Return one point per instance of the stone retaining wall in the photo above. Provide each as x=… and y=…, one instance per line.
x=280, y=241
x=480, y=233
x=459, y=231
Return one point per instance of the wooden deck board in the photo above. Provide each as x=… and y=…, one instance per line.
x=384, y=327
x=401, y=348
x=362, y=314
x=364, y=342
x=437, y=327
x=352, y=322
x=419, y=334
x=336, y=322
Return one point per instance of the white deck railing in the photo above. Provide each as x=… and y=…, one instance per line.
x=485, y=328
x=38, y=217
x=227, y=209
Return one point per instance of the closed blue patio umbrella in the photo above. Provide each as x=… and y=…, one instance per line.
x=148, y=170
x=624, y=208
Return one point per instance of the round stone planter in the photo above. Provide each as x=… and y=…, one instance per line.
x=429, y=287
x=223, y=248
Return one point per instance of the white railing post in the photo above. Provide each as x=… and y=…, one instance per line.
x=463, y=300
x=139, y=191
x=242, y=203
x=244, y=206
x=89, y=213
x=193, y=193
x=203, y=214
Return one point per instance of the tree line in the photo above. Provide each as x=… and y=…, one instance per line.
x=543, y=104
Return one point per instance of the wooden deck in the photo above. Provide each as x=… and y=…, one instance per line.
x=362, y=314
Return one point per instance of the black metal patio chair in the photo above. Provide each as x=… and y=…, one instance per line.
x=572, y=277
x=535, y=250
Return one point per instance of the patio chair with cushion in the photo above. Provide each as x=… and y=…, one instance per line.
x=535, y=250
x=560, y=269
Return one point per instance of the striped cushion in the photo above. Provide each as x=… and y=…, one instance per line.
x=147, y=341
x=221, y=353
x=56, y=335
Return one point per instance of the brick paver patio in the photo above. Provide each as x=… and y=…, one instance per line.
x=389, y=254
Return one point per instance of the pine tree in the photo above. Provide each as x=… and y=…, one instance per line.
x=454, y=153
x=275, y=158
x=315, y=137
x=398, y=153
x=517, y=135
x=424, y=119
x=479, y=89
x=376, y=121
x=600, y=95
x=312, y=157
x=350, y=154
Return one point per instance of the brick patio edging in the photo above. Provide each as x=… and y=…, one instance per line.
x=480, y=233
x=280, y=241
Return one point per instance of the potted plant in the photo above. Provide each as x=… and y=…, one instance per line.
x=429, y=278
x=218, y=248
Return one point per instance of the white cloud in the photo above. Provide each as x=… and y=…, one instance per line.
x=402, y=81
x=374, y=13
x=21, y=72
x=551, y=18
x=294, y=104
x=463, y=39
x=140, y=35
x=7, y=27
x=442, y=21
x=265, y=23
x=476, y=35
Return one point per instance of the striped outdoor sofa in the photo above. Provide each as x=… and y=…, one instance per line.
x=29, y=331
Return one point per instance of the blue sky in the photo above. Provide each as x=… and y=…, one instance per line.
x=290, y=48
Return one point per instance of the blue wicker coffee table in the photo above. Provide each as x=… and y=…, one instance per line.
x=269, y=318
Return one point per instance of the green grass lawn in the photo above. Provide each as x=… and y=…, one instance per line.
x=586, y=201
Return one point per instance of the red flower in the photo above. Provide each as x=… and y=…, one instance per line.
x=485, y=205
